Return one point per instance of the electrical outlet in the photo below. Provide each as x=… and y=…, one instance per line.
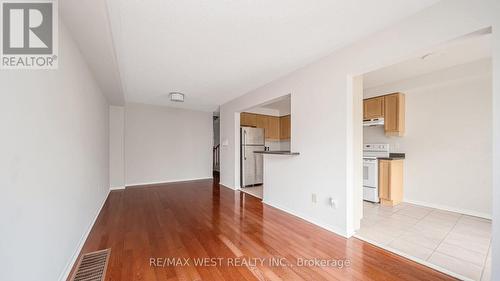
x=314, y=198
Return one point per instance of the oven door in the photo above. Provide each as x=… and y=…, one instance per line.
x=370, y=172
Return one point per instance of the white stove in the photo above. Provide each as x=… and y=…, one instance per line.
x=371, y=153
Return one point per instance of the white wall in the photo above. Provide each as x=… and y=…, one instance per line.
x=54, y=164
x=354, y=151
x=495, y=246
x=164, y=144
x=322, y=124
x=116, y=147
x=278, y=144
x=448, y=140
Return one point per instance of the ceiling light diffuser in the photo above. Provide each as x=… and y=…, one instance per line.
x=177, y=97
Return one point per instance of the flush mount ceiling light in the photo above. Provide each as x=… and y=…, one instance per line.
x=177, y=97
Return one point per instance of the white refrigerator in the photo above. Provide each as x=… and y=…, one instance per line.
x=252, y=172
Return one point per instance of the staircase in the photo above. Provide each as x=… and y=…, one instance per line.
x=216, y=159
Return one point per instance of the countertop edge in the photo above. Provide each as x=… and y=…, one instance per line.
x=394, y=156
x=278, y=153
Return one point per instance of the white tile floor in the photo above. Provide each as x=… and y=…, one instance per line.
x=452, y=241
x=256, y=191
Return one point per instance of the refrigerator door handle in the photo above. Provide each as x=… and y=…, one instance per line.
x=244, y=144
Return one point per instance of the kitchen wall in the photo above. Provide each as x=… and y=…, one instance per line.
x=264, y=111
x=278, y=144
x=164, y=144
x=54, y=164
x=448, y=140
x=323, y=127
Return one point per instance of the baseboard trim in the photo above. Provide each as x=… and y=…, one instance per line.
x=450, y=209
x=227, y=186
x=151, y=184
x=117, y=187
x=307, y=219
x=412, y=258
x=69, y=266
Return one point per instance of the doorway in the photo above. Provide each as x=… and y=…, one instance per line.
x=216, y=146
x=427, y=125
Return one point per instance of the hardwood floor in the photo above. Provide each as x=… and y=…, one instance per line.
x=198, y=219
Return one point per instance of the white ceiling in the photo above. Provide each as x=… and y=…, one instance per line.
x=89, y=25
x=460, y=51
x=215, y=51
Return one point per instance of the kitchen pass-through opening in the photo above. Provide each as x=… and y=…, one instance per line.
x=264, y=128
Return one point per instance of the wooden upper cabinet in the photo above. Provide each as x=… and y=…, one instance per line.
x=373, y=108
x=273, y=128
x=285, y=127
x=394, y=116
x=270, y=124
x=248, y=119
x=391, y=108
x=261, y=122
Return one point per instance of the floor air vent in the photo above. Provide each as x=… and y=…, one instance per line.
x=92, y=266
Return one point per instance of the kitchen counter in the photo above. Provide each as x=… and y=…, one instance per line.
x=278, y=152
x=393, y=156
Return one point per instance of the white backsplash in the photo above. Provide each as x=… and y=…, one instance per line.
x=285, y=145
x=278, y=145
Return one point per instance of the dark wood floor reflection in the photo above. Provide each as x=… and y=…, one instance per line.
x=198, y=219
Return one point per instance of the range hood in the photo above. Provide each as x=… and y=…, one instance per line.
x=373, y=122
